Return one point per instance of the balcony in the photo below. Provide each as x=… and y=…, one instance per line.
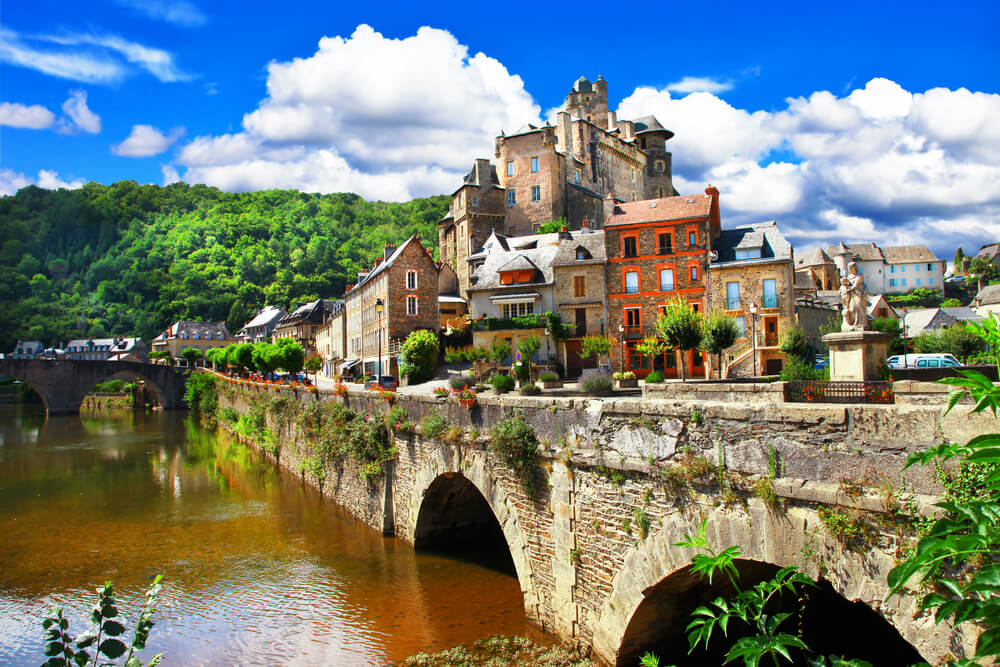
x=633, y=333
x=733, y=304
x=770, y=301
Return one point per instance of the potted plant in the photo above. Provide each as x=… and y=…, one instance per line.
x=626, y=380
x=440, y=392
x=387, y=396
x=340, y=389
x=465, y=396
x=550, y=380
x=502, y=383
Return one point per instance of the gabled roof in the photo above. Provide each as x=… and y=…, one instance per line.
x=314, y=312
x=519, y=263
x=197, y=330
x=964, y=314
x=989, y=251
x=267, y=315
x=389, y=262
x=763, y=235
x=660, y=210
x=814, y=257
x=918, y=320
x=863, y=251
x=591, y=241
x=501, y=251
x=908, y=253
x=988, y=295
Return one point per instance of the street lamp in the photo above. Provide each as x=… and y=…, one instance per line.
x=378, y=309
x=548, y=357
x=753, y=333
x=621, y=334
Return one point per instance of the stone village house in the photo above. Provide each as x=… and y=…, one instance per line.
x=405, y=281
x=301, y=324
x=183, y=334
x=262, y=326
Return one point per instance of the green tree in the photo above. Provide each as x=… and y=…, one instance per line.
x=265, y=357
x=552, y=226
x=951, y=302
x=191, y=354
x=651, y=347
x=719, y=334
x=419, y=356
x=892, y=326
x=794, y=343
x=528, y=346
x=499, y=351
x=289, y=356
x=313, y=364
x=680, y=328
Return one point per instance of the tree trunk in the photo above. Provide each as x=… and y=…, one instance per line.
x=680, y=365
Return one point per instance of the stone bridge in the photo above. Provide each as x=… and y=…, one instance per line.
x=622, y=482
x=64, y=383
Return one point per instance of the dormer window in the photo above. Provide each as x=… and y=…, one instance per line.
x=583, y=253
x=515, y=277
x=748, y=253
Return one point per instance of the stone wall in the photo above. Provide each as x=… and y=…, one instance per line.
x=581, y=559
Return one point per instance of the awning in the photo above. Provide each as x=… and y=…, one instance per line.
x=349, y=363
x=520, y=297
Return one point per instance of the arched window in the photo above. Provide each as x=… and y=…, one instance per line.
x=583, y=253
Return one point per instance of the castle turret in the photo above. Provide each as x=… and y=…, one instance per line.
x=589, y=101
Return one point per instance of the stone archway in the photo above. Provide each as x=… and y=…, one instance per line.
x=131, y=375
x=446, y=466
x=768, y=539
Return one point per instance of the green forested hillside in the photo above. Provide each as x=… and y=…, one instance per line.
x=129, y=259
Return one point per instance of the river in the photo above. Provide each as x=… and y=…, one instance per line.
x=258, y=568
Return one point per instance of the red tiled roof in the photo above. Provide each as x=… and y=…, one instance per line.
x=660, y=210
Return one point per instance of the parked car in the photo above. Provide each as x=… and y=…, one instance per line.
x=384, y=382
x=821, y=362
x=923, y=360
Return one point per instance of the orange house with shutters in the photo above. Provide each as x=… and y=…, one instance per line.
x=658, y=250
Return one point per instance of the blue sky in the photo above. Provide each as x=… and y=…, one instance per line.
x=870, y=121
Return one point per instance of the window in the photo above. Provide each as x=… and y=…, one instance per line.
x=511, y=197
x=695, y=306
x=411, y=305
x=633, y=317
x=930, y=267
x=577, y=176
x=747, y=253
x=517, y=309
x=741, y=324
x=583, y=253
x=692, y=238
x=659, y=166
x=902, y=269
x=631, y=282
x=892, y=268
x=693, y=271
x=732, y=296
x=903, y=282
x=536, y=193
x=666, y=280
x=918, y=282
x=892, y=282
x=579, y=286
x=475, y=201
x=930, y=281
x=665, y=243
x=916, y=267
x=510, y=167
x=770, y=293
x=659, y=192
x=630, y=246
x=411, y=280
x=534, y=164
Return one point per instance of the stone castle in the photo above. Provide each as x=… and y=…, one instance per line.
x=565, y=171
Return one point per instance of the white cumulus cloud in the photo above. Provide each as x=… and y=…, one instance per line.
x=146, y=140
x=389, y=118
x=699, y=84
x=12, y=181
x=78, y=115
x=34, y=116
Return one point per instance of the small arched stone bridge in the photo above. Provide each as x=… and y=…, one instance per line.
x=594, y=548
x=63, y=384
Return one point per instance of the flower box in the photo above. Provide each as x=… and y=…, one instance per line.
x=467, y=402
x=552, y=384
x=628, y=384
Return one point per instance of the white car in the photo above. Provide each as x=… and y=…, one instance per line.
x=935, y=360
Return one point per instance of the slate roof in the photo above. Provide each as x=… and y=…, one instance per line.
x=863, y=251
x=814, y=257
x=663, y=209
x=964, y=314
x=196, y=330
x=500, y=250
x=988, y=295
x=116, y=344
x=592, y=242
x=519, y=263
x=908, y=253
x=989, y=251
x=919, y=320
x=387, y=263
x=267, y=315
x=650, y=124
x=763, y=235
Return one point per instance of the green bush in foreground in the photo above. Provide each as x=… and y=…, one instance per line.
x=598, y=385
x=514, y=441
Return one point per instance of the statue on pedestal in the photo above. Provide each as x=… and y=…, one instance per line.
x=853, y=300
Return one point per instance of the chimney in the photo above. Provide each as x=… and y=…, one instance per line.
x=714, y=216
x=389, y=249
x=483, y=172
x=612, y=121
x=627, y=127
x=564, y=234
x=564, y=133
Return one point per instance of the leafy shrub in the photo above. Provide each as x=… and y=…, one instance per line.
x=418, y=356
x=515, y=442
x=530, y=390
x=548, y=376
x=458, y=381
x=598, y=385
x=502, y=382
x=200, y=393
x=433, y=425
x=654, y=377
x=798, y=370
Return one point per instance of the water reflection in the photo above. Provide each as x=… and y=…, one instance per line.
x=258, y=569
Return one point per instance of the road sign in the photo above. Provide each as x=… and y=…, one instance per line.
x=517, y=356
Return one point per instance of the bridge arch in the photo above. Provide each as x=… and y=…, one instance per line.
x=452, y=490
x=647, y=600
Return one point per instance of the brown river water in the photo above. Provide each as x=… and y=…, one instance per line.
x=258, y=568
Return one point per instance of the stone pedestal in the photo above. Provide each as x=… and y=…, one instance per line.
x=856, y=355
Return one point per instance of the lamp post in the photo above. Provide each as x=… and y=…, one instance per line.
x=753, y=333
x=621, y=334
x=904, y=339
x=548, y=357
x=378, y=309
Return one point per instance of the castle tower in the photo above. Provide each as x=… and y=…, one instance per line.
x=589, y=101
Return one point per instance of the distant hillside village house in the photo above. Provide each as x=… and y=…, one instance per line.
x=183, y=334
x=398, y=295
x=261, y=327
x=888, y=270
x=331, y=338
x=107, y=349
x=302, y=323
x=27, y=349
